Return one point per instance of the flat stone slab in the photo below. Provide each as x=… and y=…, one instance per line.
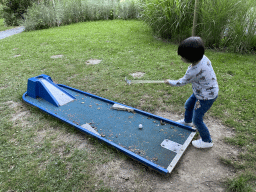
x=93, y=61
x=137, y=74
x=57, y=56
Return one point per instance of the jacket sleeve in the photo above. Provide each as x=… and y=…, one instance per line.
x=187, y=78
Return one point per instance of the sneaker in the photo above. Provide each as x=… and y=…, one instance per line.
x=184, y=123
x=201, y=144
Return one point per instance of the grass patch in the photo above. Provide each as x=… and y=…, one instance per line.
x=239, y=184
x=34, y=158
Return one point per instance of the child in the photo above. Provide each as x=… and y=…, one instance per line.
x=204, y=84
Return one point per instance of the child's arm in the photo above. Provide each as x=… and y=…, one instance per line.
x=188, y=78
x=173, y=82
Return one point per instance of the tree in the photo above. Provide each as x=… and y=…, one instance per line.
x=13, y=10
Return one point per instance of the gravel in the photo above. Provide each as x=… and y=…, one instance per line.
x=9, y=32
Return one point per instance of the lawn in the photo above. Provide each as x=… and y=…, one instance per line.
x=28, y=163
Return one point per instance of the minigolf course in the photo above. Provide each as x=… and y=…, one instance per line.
x=152, y=140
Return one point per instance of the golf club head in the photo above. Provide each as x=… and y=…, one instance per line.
x=127, y=81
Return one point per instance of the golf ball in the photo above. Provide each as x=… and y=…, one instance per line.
x=140, y=126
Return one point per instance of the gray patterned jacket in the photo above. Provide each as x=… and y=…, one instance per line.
x=203, y=79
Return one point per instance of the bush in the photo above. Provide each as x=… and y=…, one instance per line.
x=227, y=24
x=170, y=19
x=1, y=11
x=223, y=24
x=13, y=10
x=45, y=15
x=41, y=17
x=215, y=16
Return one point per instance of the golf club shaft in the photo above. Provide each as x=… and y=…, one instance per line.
x=145, y=81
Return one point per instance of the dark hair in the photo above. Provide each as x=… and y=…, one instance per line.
x=192, y=49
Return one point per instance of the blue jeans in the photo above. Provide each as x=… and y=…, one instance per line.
x=195, y=110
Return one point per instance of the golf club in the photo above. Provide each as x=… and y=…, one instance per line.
x=129, y=82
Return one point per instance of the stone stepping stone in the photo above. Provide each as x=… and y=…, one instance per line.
x=93, y=61
x=137, y=74
x=57, y=56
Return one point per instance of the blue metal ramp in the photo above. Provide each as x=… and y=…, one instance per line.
x=159, y=144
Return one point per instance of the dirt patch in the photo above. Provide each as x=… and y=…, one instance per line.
x=12, y=104
x=20, y=115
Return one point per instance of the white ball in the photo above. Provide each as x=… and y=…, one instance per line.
x=140, y=126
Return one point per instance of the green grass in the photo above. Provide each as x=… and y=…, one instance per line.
x=28, y=163
x=2, y=25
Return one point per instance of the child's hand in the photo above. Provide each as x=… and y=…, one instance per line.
x=167, y=81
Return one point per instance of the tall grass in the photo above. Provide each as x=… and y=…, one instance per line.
x=169, y=18
x=55, y=13
x=215, y=16
x=242, y=35
x=226, y=24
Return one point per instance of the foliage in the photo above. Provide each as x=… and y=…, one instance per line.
x=13, y=10
x=3, y=27
x=57, y=13
x=214, y=18
x=169, y=19
x=223, y=24
x=229, y=24
x=1, y=11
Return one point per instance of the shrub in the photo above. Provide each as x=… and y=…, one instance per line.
x=169, y=19
x=227, y=24
x=127, y=10
x=1, y=11
x=13, y=10
x=45, y=15
x=241, y=34
x=223, y=24
x=41, y=17
x=214, y=19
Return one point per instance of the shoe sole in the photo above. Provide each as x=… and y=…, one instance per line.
x=202, y=147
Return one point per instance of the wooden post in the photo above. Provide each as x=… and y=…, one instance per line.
x=195, y=19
